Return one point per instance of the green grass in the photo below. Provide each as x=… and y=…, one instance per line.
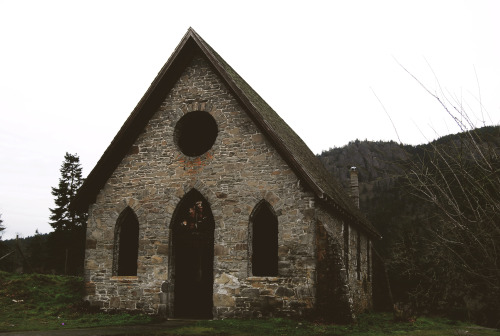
x=48, y=302
x=368, y=325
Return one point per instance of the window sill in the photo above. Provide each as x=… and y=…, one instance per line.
x=263, y=278
x=124, y=277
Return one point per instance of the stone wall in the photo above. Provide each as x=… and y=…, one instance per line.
x=359, y=282
x=342, y=292
x=241, y=169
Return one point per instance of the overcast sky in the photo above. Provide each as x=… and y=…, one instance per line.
x=72, y=71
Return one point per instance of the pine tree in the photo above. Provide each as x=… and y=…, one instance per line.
x=63, y=217
x=1, y=226
x=68, y=239
x=37, y=252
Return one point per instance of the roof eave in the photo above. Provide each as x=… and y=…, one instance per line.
x=360, y=222
x=125, y=137
x=257, y=117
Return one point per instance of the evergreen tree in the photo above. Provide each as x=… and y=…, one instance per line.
x=63, y=217
x=37, y=252
x=1, y=226
x=67, y=242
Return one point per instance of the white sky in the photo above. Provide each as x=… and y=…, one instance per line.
x=72, y=71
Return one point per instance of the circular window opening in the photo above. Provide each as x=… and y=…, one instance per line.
x=195, y=133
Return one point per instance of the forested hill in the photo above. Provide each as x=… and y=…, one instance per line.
x=384, y=194
x=382, y=161
x=437, y=207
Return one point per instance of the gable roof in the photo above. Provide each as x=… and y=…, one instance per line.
x=288, y=143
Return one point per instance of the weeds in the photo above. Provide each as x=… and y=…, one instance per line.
x=47, y=302
x=373, y=324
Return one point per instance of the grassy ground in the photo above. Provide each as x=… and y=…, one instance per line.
x=368, y=325
x=46, y=302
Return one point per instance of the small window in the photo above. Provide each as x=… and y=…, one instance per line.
x=264, y=230
x=195, y=133
x=368, y=261
x=346, y=247
x=126, y=243
x=358, y=256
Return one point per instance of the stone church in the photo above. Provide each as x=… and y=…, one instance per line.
x=206, y=204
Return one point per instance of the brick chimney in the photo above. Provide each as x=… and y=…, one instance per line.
x=354, y=185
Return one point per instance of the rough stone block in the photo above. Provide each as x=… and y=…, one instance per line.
x=283, y=291
x=91, y=244
x=250, y=292
x=162, y=249
x=114, y=302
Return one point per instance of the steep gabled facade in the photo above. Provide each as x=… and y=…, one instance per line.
x=207, y=205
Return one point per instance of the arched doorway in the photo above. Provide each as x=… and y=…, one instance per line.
x=192, y=257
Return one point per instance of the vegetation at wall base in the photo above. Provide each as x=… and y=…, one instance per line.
x=370, y=324
x=51, y=302
x=48, y=302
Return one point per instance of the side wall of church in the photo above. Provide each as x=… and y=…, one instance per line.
x=343, y=288
x=360, y=278
x=241, y=169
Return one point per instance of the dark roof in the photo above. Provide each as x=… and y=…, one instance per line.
x=288, y=143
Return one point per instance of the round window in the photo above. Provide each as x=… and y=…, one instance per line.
x=195, y=133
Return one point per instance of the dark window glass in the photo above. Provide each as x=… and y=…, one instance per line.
x=346, y=247
x=264, y=241
x=195, y=133
x=127, y=245
x=358, y=256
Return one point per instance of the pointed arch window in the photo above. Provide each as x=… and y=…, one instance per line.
x=368, y=260
x=264, y=237
x=126, y=247
x=358, y=255
x=346, y=247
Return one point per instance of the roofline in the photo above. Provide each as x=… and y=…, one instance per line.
x=114, y=153
x=276, y=140
x=353, y=219
x=155, y=95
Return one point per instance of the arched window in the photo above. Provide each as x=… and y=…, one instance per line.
x=358, y=255
x=346, y=247
x=126, y=243
x=264, y=236
x=368, y=260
